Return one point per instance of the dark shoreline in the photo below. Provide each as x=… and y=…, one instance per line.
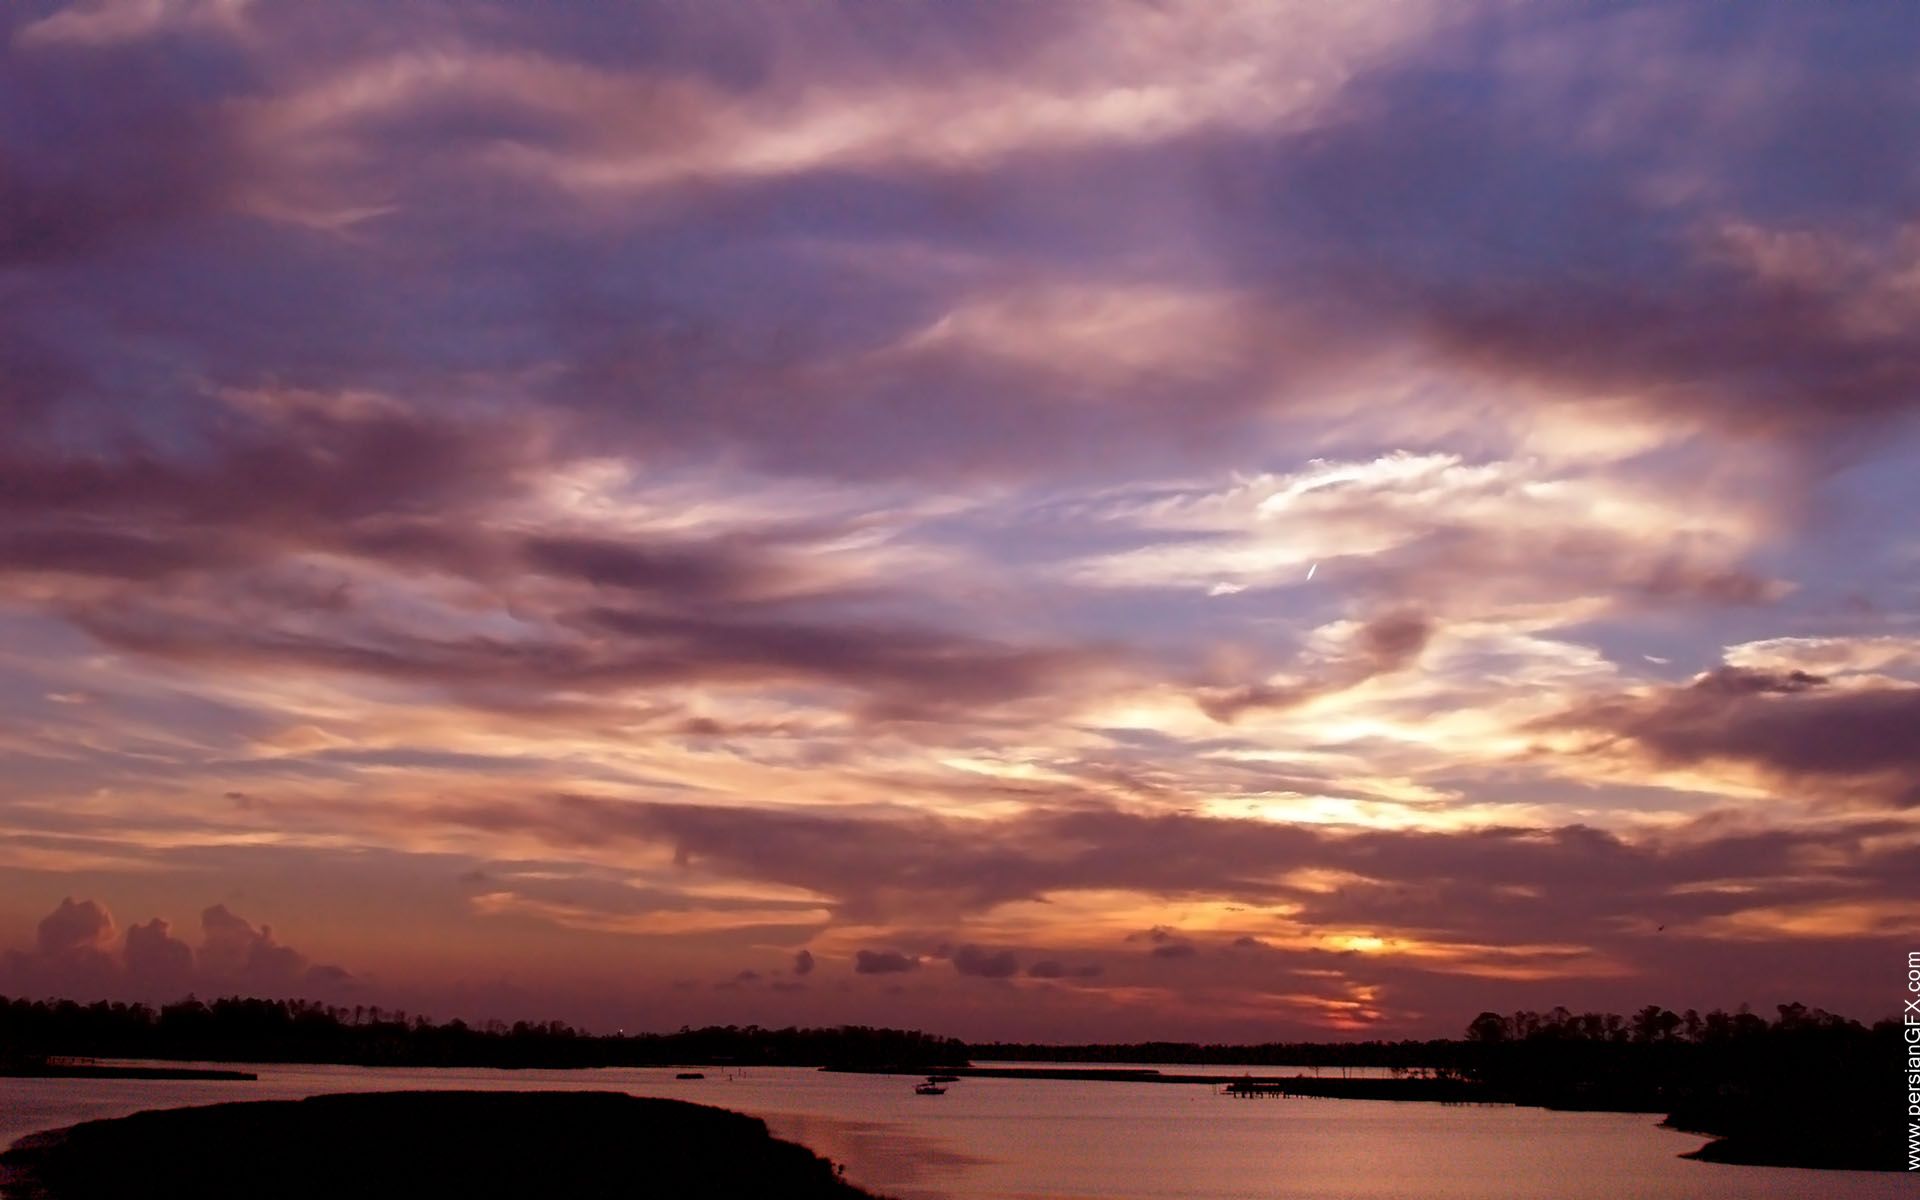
x=1736, y=1135
x=111, y=1071
x=394, y=1145
x=1789, y=1143
x=1440, y=1090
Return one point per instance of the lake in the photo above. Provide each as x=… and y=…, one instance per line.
x=1007, y=1139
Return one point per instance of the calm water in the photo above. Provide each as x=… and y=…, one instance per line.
x=1027, y=1140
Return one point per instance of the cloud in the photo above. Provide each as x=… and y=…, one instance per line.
x=72, y=952
x=1510, y=902
x=569, y=900
x=1165, y=943
x=803, y=962
x=312, y=536
x=1050, y=968
x=894, y=868
x=104, y=22
x=1469, y=536
x=232, y=947
x=75, y=955
x=76, y=927
x=1459, y=137
x=1380, y=645
x=981, y=963
x=882, y=962
x=329, y=976
x=1846, y=743
x=157, y=962
x=1827, y=655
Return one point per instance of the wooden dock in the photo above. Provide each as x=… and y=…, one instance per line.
x=1441, y=1091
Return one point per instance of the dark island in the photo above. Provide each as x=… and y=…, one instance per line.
x=417, y=1144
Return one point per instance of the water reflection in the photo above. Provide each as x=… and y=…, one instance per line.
x=1000, y=1139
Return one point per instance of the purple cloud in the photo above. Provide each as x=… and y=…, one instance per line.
x=985, y=964
x=882, y=962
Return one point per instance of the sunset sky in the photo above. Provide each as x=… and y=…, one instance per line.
x=803, y=513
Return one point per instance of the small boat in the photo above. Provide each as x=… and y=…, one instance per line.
x=928, y=1089
x=689, y=1075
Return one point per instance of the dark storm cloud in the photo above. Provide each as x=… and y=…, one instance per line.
x=1839, y=742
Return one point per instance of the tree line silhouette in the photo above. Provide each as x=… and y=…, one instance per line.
x=236, y=1029
x=1808, y=1088
x=1557, y=1052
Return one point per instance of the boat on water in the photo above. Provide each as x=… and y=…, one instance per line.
x=690, y=1075
x=928, y=1089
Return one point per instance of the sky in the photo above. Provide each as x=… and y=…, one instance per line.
x=1226, y=519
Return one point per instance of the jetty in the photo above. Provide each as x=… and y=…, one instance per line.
x=1433, y=1090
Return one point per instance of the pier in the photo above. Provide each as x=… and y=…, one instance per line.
x=1441, y=1091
